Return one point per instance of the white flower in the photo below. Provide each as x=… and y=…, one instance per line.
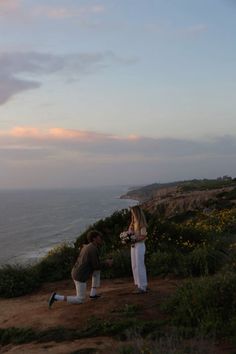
x=127, y=237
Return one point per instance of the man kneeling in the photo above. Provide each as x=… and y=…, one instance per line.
x=87, y=264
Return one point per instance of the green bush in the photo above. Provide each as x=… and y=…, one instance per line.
x=163, y=263
x=16, y=280
x=207, y=304
x=110, y=227
x=16, y=335
x=173, y=246
x=166, y=236
x=205, y=260
x=230, y=266
x=121, y=264
x=57, y=264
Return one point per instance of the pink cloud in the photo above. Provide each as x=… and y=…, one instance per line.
x=7, y=6
x=192, y=31
x=27, y=143
x=197, y=29
x=130, y=137
x=66, y=12
x=24, y=132
x=64, y=134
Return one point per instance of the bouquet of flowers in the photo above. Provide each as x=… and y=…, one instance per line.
x=127, y=238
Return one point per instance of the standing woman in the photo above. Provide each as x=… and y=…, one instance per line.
x=138, y=226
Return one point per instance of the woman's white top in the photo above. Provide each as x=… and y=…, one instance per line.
x=140, y=231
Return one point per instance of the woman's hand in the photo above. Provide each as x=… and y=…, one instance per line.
x=109, y=262
x=140, y=238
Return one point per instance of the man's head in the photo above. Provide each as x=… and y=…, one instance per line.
x=95, y=237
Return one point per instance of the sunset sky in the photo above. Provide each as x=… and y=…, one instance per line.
x=111, y=92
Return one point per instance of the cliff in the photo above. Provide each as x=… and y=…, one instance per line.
x=188, y=196
x=173, y=201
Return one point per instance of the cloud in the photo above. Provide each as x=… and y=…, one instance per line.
x=9, y=6
x=66, y=12
x=16, y=10
x=104, y=145
x=21, y=71
x=199, y=28
x=20, y=12
x=9, y=86
x=51, y=134
x=57, y=157
x=190, y=31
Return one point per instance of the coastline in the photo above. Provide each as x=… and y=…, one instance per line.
x=34, y=222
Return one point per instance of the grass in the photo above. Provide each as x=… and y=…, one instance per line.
x=207, y=304
x=128, y=310
x=95, y=327
x=167, y=344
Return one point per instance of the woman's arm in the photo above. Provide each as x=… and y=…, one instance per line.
x=143, y=235
x=131, y=227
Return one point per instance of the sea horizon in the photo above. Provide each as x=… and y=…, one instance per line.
x=33, y=221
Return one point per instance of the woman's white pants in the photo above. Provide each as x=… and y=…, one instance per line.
x=138, y=265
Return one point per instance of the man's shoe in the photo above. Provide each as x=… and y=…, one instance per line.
x=94, y=296
x=51, y=300
x=139, y=291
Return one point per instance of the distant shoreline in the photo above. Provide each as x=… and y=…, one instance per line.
x=34, y=222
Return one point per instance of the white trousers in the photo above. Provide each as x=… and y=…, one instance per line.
x=96, y=279
x=81, y=288
x=138, y=265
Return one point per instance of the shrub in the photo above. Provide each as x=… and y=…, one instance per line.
x=207, y=304
x=110, y=227
x=121, y=264
x=163, y=263
x=57, y=264
x=205, y=260
x=16, y=280
x=16, y=335
x=230, y=266
x=169, y=343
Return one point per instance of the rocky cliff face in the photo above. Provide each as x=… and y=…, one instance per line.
x=172, y=201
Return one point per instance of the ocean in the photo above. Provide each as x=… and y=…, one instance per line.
x=34, y=221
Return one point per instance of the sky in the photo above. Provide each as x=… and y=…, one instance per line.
x=116, y=92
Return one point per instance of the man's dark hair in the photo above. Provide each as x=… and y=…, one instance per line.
x=92, y=235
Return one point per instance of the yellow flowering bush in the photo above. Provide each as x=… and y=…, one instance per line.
x=217, y=221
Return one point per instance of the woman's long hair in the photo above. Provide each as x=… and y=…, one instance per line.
x=139, y=216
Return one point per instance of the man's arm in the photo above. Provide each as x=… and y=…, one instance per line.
x=94, y=259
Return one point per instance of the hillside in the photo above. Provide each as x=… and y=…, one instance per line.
x=191, y=264
x=176, y=198
x=75, y=328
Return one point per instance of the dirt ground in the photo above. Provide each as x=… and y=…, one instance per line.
x=32, y=311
